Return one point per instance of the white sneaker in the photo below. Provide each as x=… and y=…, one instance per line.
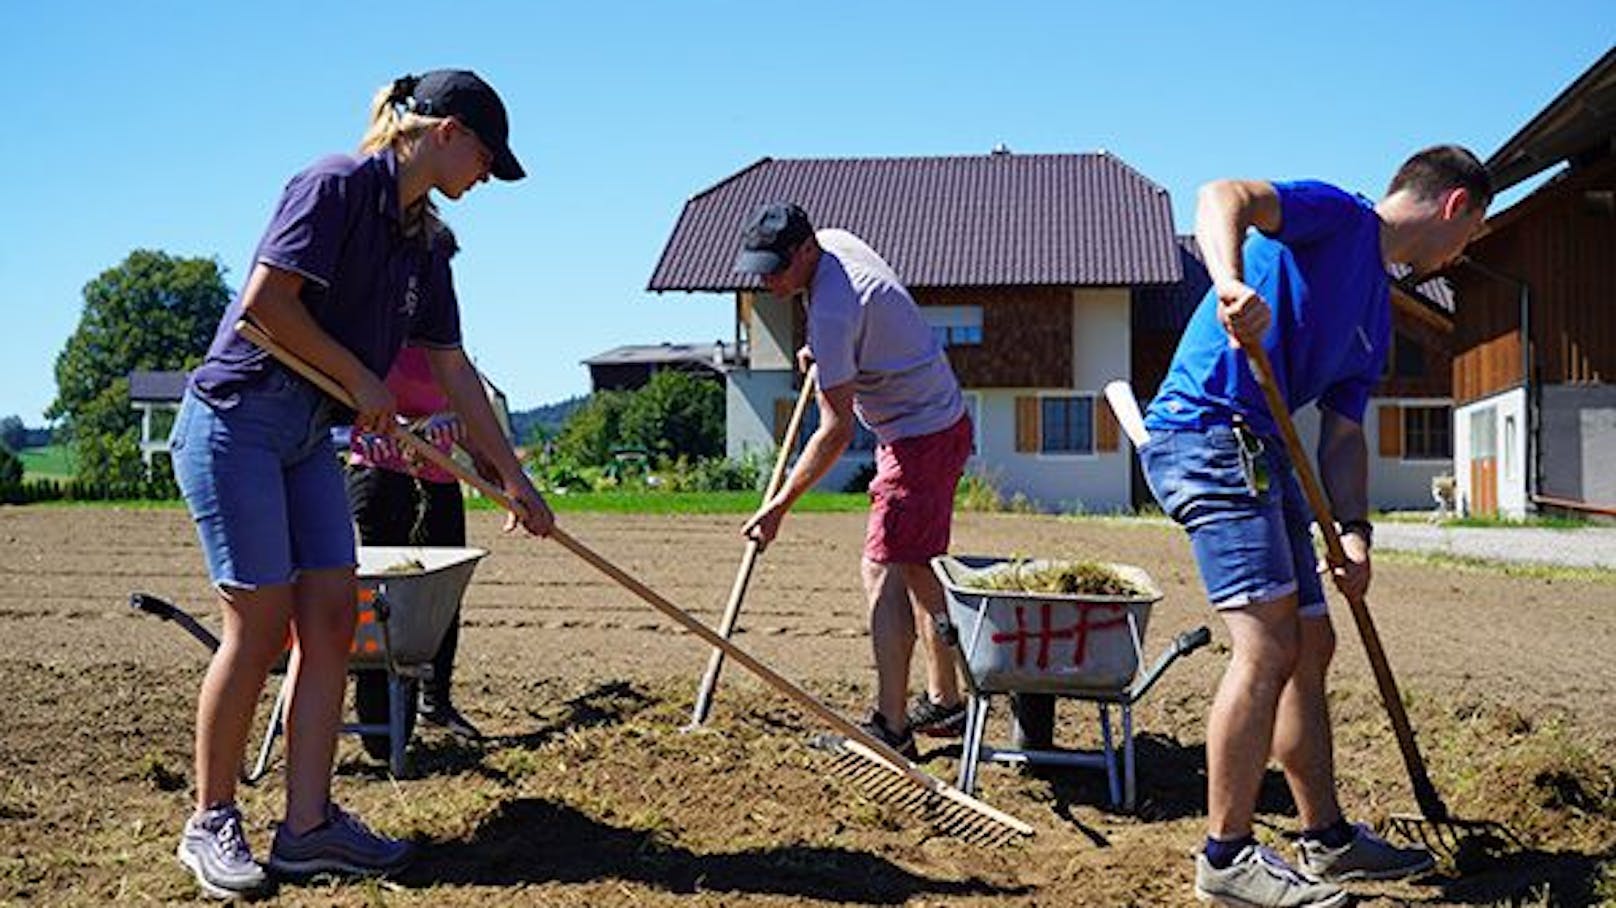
x=1366, y=857
x=214, y=848
x=1259, y=878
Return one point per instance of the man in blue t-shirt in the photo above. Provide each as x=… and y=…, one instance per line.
x=1310, y=286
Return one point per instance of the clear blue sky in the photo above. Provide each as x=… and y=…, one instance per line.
x=174, y=125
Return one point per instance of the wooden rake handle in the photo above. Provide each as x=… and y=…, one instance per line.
x=825, y=714
x=743, y=575
x=1425, y=794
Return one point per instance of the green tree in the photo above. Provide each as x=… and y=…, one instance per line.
x=675, y=414
x=10, y=468
x=13, y=434
x=152, y=311
x=593, y=430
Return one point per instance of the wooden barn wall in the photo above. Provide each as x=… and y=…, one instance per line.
x=1564, y=246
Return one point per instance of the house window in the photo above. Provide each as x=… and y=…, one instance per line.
x=1066, y=425
x=954, y=326
x=1509, y=446
x=1427, y=433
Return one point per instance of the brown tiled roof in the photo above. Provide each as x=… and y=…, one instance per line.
x=981, y=221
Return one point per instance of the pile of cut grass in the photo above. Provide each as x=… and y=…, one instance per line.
x=1082, y=578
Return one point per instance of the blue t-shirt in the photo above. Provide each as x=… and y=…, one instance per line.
x=1326, y=284
x=365, y=282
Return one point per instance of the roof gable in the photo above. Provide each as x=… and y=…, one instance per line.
x=971, y=221
x=1581, y=117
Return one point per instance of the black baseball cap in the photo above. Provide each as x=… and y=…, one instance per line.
x=771, y=234
x=461, y=94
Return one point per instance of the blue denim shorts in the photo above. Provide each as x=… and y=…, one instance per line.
x=263, y=483
x=1253, y=541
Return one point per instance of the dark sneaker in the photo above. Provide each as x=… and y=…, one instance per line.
x=342, y=844
x=1366, y=857
x=446, y=717
x=934, y=720
x=214, y=848
x=903, y=742
x=1259, y=878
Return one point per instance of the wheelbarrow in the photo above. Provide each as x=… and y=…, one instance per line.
x=407, y=597
x=1036, y=647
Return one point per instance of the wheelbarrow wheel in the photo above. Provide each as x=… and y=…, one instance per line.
x=370, y=704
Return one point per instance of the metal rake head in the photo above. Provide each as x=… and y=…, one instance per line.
x=1467, y=845
x=886, y=785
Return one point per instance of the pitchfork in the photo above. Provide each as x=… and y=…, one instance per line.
x=1460, y=841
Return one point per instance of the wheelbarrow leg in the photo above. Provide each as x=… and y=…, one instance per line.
x=399, y=691
x=1113, y=787
x=1129, y=785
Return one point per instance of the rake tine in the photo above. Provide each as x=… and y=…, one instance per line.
x=948, y=811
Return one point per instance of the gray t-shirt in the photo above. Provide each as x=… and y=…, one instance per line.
x=864, y=328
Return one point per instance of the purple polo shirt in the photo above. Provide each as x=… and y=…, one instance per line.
x=365, y=283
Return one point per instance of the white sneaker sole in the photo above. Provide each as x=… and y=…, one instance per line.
x=1335, y=901
x=210, y=889
x=1396, y=873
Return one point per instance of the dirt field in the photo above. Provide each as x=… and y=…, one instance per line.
x=589, y=795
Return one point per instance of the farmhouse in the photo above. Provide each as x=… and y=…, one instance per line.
x=1535, y=339
x=1045, y=277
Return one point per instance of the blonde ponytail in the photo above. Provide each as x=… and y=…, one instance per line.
x=392, y=126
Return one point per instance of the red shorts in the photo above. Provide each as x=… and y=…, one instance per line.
x=912, y=495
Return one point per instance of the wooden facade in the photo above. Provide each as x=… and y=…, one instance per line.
x=1026, y=335
x=1561, y=243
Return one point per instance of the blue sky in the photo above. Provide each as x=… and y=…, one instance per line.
x=174, y=125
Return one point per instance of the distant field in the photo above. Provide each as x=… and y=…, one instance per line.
x=49, y=462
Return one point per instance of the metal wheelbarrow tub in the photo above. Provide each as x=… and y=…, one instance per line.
x=1038, y=646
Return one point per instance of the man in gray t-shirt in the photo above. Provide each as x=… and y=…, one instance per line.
x=879, y=363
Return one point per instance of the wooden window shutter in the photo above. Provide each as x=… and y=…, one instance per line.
x=1391, y=430
x=782, y=416
x=1026, y=424
x=1106, y=428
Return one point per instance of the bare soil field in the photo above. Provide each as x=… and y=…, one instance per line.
x=588, y=794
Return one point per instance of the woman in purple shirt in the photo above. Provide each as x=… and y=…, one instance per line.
x=354, y=263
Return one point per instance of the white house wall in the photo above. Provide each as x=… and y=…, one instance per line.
x=769, y=332
x=1395, y=483
x=1510, y=407
x=1066, y=483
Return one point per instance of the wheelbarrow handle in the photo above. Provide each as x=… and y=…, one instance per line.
x=1190, y=641
x=167, y=611
x=1182, y=645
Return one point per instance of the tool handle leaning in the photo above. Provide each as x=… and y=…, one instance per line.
x=743, y=575
x=779, y=682
x=415, y=443
x=1424, y=792
x=1119, y=394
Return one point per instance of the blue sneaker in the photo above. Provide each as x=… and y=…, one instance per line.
x=342, y=844
x=214, y=848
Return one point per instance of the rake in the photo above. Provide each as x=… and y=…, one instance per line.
x=947, y=808
x=1464, y=842
x=743, y=575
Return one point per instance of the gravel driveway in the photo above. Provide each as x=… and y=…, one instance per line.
x=1585, y=547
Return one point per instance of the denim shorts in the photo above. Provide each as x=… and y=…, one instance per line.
x=263, y=483
x=1253, y=541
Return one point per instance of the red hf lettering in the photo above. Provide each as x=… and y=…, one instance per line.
x=1045, y=634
